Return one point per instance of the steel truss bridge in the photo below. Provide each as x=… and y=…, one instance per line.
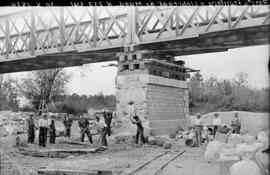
x=49, y=37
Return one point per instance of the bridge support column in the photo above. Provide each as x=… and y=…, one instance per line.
x=159, y=92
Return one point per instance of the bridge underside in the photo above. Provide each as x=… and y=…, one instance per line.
x=205, y=43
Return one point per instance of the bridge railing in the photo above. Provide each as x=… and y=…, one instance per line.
x=47, y=30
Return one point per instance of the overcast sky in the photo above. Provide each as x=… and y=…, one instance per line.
x=252, y=60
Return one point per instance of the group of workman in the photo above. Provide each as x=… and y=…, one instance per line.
x=200, y=131
x=47, y=125
x=103, y=127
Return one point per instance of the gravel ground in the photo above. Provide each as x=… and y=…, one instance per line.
x=121, y=158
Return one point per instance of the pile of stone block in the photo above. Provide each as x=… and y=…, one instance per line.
x=238, y=153
x=12, y=123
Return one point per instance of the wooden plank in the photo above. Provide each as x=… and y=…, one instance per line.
x=47, y=171
x=40, y=154
x=73, y=142
x=73, y=150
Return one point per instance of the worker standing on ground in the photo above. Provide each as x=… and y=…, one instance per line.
x=52, y=132
x=31, y=129
x=216, y=123
x=198, y=129
x=236, y=124
x=135, y=120
x=108, y=119
x=67, y=123
x=43, y=126
x=102, y=128
x=84, y=128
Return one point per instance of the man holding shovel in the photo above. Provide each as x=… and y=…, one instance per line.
x=102, y=127
x=84, y=127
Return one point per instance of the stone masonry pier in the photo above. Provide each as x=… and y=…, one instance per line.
x=159, y=91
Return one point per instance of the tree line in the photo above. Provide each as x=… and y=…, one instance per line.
x=212, y=94
x=205, y=95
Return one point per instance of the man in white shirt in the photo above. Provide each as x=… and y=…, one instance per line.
x=43, y=127
x=102, y=127
x=216, y=123
x=198, y=128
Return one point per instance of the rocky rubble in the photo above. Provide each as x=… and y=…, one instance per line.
x=12, y=123
x=239, y=154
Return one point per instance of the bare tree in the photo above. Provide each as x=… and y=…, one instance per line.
x=45, y=85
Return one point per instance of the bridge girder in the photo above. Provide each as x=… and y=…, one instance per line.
x=61, y=37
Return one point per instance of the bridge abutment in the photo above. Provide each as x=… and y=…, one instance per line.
x=159, y=91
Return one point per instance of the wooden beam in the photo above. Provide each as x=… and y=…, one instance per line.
x=73, y=150
x=47, y=171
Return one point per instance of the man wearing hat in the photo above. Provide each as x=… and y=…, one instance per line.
x=84, y=128
x=67, y=124
x=31, y=129
x=102, y=128
x=139, y=134
x=216, y=123
x=43, y=127
x=108, y=119
x=198, y=128
x=236, y=124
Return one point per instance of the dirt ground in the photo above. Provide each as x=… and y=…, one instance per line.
x=120, y=158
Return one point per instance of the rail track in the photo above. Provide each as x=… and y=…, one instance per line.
x=157, y=164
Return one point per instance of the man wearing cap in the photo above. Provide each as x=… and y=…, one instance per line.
x=31, y=129
x=43, y=127
x=67, y=123
x=84, y=127
x=236, y=124
x=135, y=120
x=216, y=123
x=108, y=119
x=102, y=128
x=198, y=128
